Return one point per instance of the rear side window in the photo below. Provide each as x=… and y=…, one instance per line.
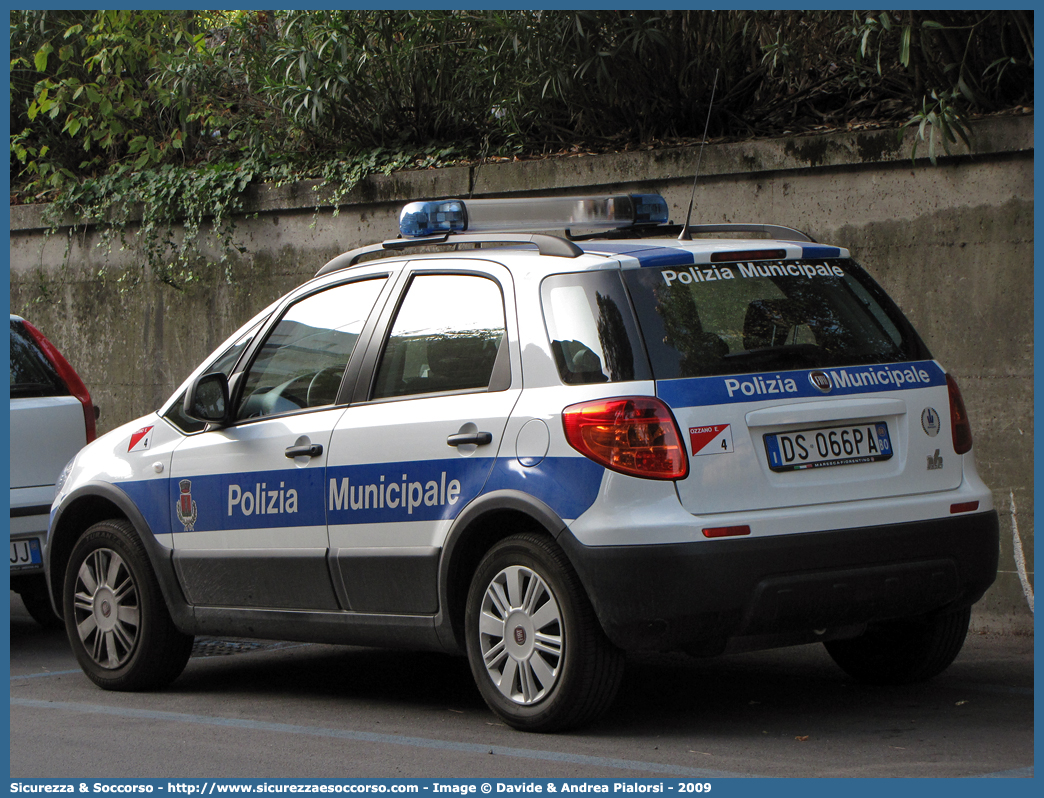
x=749, y=317
x=591, y=328
x=31, y=372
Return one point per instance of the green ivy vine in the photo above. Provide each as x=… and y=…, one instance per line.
x=173, y=215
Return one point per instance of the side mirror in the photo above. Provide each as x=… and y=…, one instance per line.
x=207, y=398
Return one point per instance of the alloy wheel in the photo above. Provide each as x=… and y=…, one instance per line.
x=106, y=608
x=521, y=635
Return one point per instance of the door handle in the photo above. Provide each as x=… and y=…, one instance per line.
x=474, y=438
x=305, y=450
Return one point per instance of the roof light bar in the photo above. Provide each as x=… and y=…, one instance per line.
x=531, y=213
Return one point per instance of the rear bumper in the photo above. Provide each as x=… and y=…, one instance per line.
x=28, y=530
x=700, y=596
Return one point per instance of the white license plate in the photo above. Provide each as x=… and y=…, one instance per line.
x=25, y=554
x=829, y=446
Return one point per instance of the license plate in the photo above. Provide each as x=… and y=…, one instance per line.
x=830, y=446
x=25, y=554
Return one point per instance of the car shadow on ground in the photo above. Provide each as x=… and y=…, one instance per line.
x=781, y=692
x=664, y=693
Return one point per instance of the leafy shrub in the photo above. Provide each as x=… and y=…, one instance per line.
x=176, y=112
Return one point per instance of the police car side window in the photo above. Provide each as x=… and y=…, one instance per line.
x=591, y=328
x=301, y=362
x=447, y=335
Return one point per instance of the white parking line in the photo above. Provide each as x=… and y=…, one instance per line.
x=386, y=739
x=45, y=673
x=997, y=689
x=1017, y=773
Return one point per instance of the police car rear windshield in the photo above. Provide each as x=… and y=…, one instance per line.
x=732, y=318
x=32, y=374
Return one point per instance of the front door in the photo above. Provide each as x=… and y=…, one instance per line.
x=249, y=499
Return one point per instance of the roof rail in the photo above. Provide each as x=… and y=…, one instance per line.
x=546, y=245
x=775, y=231
x=778, y=232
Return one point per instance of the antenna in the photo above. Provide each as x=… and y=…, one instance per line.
x=685, y=235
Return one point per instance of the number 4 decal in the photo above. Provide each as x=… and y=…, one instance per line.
x=711, y=439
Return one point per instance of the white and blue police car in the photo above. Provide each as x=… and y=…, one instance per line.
x=542, y=451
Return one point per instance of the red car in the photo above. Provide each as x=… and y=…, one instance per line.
x=52, y=418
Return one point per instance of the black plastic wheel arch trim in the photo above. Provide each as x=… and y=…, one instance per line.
x=160, y=557
x=495, y=501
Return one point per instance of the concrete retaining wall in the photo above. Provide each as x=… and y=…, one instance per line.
x=953, y=244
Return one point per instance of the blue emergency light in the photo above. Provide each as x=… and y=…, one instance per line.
x=433, y=217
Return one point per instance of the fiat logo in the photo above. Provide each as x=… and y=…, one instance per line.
x=106, y=610
x=520, y=635
x=820, y=380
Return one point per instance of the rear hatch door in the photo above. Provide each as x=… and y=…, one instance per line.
x=794, y=386
x=47, y=424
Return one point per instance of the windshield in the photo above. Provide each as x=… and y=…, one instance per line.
x=730, y=318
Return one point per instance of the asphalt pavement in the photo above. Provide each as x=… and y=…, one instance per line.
x=250, y=708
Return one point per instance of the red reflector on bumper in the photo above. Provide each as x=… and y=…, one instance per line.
x=963, y=507
x=726, y=531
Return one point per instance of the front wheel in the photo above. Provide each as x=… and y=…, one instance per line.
x=903, y=651
x=538, y=654
x=115, y=617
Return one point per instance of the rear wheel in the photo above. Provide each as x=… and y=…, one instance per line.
x=903, y=651
x=115, y=617
x=537, y=651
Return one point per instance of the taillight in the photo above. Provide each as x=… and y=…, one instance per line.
x=72, y=380
x=634, y=435
x=959, y=424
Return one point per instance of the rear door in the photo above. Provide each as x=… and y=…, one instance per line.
x=794, y=383
x=422, y=437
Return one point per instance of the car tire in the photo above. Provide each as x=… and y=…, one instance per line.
x=903, y=651
x=538, y=654
x=37, y=603
x=115, y=616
